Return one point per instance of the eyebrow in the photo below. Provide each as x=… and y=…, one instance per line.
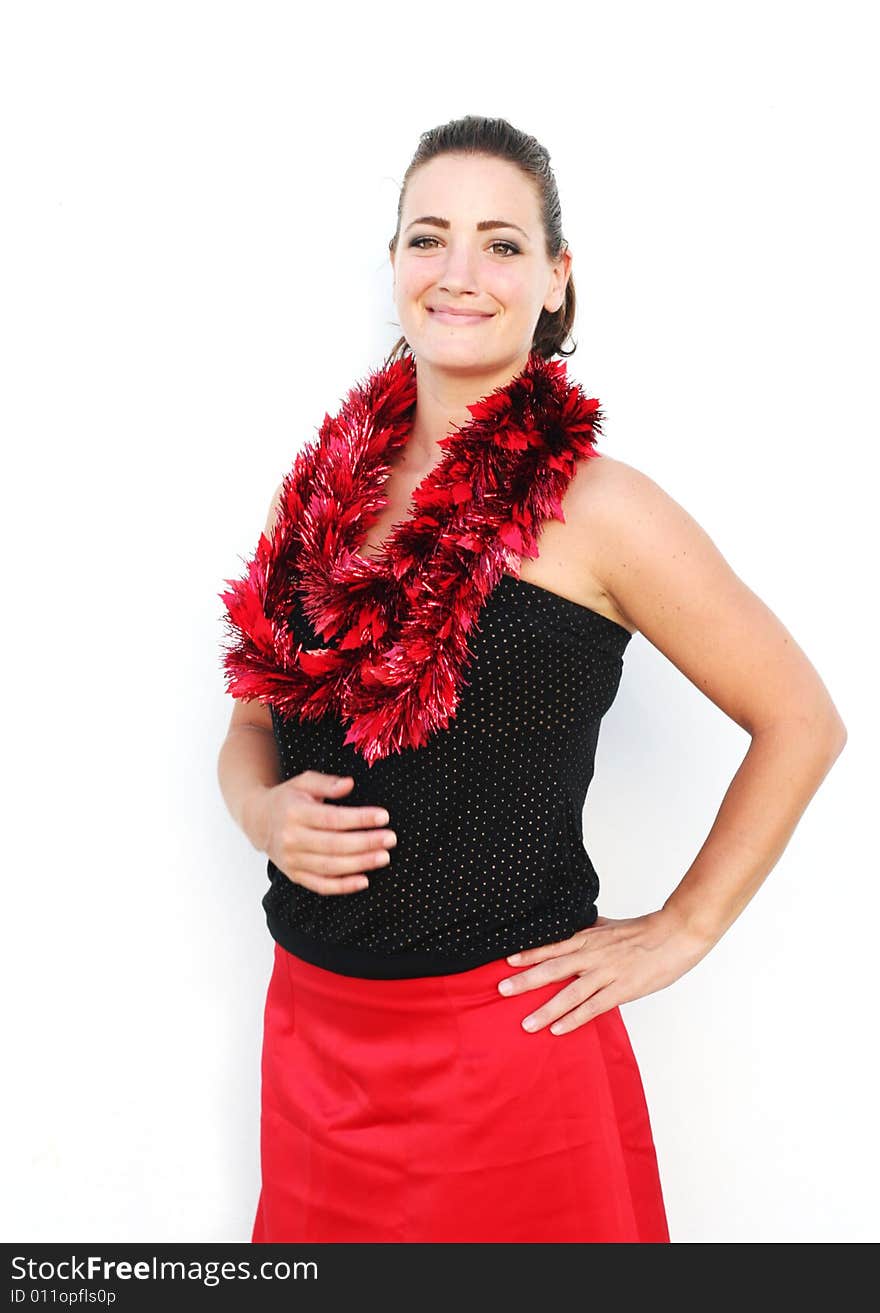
x=482, y=226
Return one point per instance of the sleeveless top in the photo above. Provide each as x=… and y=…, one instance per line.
x=490, y=856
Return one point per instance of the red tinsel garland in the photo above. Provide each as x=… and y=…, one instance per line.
x=399, y=620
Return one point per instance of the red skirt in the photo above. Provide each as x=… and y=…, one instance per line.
x=419, y=1110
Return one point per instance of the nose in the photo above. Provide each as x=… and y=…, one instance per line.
x=458, y=274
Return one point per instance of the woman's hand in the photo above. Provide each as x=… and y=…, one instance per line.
x=612, y=961
x=317, y=844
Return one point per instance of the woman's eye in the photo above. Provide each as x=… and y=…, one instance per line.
x=509, y=245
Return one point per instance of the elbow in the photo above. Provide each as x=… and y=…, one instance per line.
x=832, y=734
x=822, y=733
x=835, y=730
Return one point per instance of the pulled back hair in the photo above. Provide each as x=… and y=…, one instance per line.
x=473, y=135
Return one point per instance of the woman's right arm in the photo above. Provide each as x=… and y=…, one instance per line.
x=325, y=847
x=247, y=768
x=248, y=764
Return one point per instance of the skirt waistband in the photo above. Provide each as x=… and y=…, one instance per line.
x=413, y=994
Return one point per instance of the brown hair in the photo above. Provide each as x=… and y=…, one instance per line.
x=473, y=135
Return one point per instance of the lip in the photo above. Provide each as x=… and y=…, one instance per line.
x=457, y=316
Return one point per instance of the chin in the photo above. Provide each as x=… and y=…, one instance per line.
x=456, y=355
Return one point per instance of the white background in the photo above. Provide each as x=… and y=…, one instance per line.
x=197, y=204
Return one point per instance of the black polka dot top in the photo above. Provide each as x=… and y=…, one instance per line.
x=488, y=813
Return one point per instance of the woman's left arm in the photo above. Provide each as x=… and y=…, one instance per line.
x=668, y=578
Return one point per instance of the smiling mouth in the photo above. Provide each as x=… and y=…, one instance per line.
x=457, y=317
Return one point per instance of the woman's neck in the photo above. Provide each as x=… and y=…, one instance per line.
x=442, y=401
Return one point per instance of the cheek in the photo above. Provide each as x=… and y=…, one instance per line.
x=413, y=280
x=511, y=286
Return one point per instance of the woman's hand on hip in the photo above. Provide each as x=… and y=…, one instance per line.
x=612, y=962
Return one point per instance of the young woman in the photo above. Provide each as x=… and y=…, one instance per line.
x=421, y=651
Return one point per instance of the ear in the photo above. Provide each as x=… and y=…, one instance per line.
x=559, y=276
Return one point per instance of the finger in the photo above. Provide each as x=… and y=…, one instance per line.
x=321, y=785
x=319, y=884
x=327, y=866
x=579, y=994
x=541, y=952
x=544, y=973
x=602, y=1001
x=330, y=816
x=341, y=843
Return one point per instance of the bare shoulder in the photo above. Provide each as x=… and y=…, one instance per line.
x=644, y=548
x=604, y=503
x=605, y=483
x=668, y=578
x=250, y=712
x=274, y=508
x=619, y=512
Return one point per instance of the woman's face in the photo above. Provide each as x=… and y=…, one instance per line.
x=443, y=261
